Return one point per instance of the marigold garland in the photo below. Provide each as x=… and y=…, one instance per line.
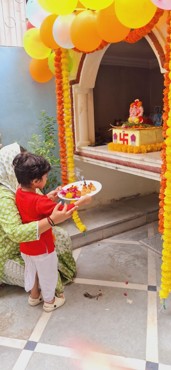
x=165, y=190
x=135, y=149
x=67, y=115
x=78, y=222
x=60, y=116
x=64, y=119
x=136, y=34
x=68, y=129
x=139, y=33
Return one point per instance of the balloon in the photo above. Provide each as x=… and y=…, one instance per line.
x=40, y=71
x=33, y=45
x=70, y=63
x=74, y=60
x=109, y=27
x=133, y=13
x=84, y=33
x=61, y=7
x=46, y=33
x=35, y=13
x=162, y=4
x=80, y=5
x=61, y=31
x=79, y=8
x=96, y=4
x=51, y=62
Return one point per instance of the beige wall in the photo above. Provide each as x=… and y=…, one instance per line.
x=156, y=88
x=13, y=22
x=116, y=185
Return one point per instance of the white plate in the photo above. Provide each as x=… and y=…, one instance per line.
x=79, y=185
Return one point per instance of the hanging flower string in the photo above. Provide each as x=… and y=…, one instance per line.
x=165, y=127
x=60, y=116
x=67, y=115
x=135, y=149
x=67, y=125
x=139, y=33
x=136, y=34
x=165, y=191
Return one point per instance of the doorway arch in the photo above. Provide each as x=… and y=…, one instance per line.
x=82, y=90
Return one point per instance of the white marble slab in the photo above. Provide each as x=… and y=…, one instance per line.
x=146, y=165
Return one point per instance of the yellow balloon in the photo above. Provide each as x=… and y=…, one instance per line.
x=96, y=4
x=134, y=13
x=60, y=7
x=51, y=62
x=33, y=45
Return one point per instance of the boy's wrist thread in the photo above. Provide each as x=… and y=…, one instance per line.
x=50, y=221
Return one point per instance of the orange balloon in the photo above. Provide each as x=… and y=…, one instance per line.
x=40, y=71
x=46, y=33
x=109, y=27
x=84, y=33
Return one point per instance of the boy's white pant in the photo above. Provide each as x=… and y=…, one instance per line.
x=46, y=266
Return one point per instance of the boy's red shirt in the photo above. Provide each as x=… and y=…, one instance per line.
x=34, y=207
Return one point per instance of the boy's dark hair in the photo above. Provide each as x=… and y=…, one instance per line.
x=22, y=149
x=29, y=167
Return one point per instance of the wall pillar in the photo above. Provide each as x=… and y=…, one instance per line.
x=83, y=116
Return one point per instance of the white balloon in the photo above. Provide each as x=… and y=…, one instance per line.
x=35, y=13
x=61, y=30
x=162, y=4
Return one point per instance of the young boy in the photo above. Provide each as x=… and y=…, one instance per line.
x=40, y=256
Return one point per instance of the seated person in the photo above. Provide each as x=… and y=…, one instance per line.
x=12, y=231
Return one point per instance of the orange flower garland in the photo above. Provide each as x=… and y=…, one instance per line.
x=163, y=152
x=165, y=191
x=68, y=129
x=139, y=33
x=135, y=149
x=64, y=119
x=67, y=115
x=60, y=116
x=165, y=118
x=136, y=34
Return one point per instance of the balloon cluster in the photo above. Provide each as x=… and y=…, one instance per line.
x=80, y=25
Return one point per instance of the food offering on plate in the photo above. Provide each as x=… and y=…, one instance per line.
x=78, y=189
x=71, y=192
x=87, y=188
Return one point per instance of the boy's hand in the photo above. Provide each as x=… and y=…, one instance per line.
x=61, y=216
x=53, y=195
x=59, y=188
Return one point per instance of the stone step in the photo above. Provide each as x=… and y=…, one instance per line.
x=107, y=220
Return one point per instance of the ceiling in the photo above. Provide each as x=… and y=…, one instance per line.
x=139, y=54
